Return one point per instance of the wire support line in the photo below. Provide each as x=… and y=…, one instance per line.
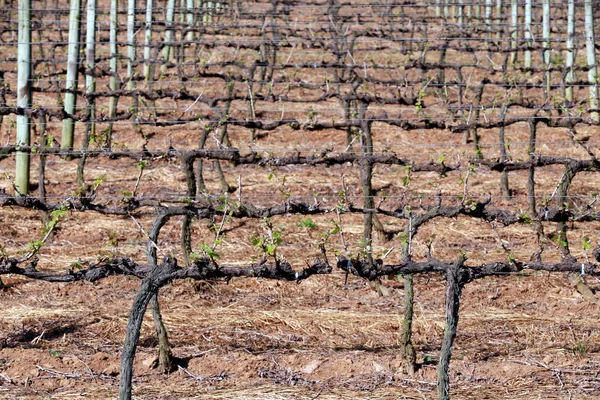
x=319, y=85
x=318, y=109
x=327, y=5
x=289, y=8
x=343, y=124
x=184, y=198
x=296, y=41
x=386, y=149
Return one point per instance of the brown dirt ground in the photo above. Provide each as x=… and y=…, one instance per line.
x=523, y=336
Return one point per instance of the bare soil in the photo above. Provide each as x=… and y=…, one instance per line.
x=524, y=336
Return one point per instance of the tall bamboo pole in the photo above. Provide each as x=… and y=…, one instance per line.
x=499, y=20
x=546, y=43
x=209, y=8
x=149, y=64
x=131, y=56
x=130, y=43
x=514, y=27
x=190, y=19
x=469, y=11
x=591, y=60
x=570, y=56
x=112, y=65
x=488, y=29
x=90, y=60
x=488, y=18
x=23, y=95
x=72, y=67
x=528, y=34
x=90, y=87
x=178, y=50
x=168, y=34
x=148, y=67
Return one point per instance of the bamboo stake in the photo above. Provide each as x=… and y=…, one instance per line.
x=168, y=35
x=114, y=53
x=90, y=86
x=90, y=59
x=23, y=96
x=570, y=56
x=148, y=67
x=499, y=20
x=190, y=19
x=514, y=27
x=72, y=67
x=546, y=43
x=591, y=60
x=130, y=43
x=528, y=34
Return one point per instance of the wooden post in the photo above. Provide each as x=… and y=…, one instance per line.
x=454, y=286
x=504, y=187
x=155, y=279
x=165, y=360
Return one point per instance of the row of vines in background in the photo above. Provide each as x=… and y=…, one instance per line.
x=509, y=85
